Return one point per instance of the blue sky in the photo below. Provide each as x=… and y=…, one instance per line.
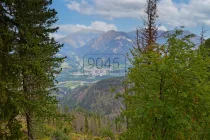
x=125, y=15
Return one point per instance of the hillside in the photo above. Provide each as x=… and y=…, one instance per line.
x=99, y=97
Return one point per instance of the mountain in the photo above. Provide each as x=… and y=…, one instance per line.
x=109, y=42
x=99, y=97
x=92, y=41
x=100, y=49
x=120, y=42
x=78, y=39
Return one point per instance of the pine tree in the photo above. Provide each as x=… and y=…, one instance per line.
x=10, y=127
x=37, y=57
x=32, y=60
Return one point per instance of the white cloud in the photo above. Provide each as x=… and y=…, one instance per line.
x=109, y=8
x=194, y=13
x=82, y=7
x=191, y=14
x=56, y=36
x=96, y=25
x=65, y=29
x=102, y=26
x=206, y=22
x=162, y=28
x=69, y=28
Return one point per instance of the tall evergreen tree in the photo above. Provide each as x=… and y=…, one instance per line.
x=35, y=59
x=9, y=76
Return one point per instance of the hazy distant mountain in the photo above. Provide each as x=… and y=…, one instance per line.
x=109, y=42
x=94, y=41
x=79, y=39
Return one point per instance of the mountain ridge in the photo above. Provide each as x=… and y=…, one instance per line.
x=78, y=39
x=88, y=41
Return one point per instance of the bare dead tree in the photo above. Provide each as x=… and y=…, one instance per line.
x=147, y=35
x=202, y=38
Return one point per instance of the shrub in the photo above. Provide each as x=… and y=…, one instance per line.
x=107, y=132
x=59, y=135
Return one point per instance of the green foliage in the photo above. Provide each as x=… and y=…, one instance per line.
x=168, y=94
x=107, y=132
x=28, y=64
x=86, y=124
x=66, y=130
x=205, y=48
x=207, y=43
x=59, y=135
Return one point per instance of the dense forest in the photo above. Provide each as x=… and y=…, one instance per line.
x=164, y=95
